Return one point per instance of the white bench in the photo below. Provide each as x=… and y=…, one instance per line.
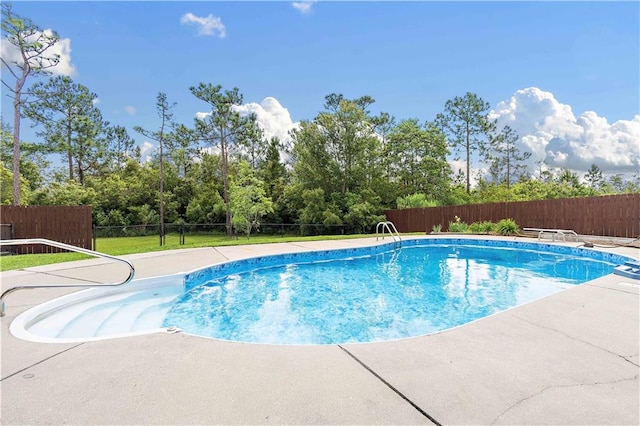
x=561, y=233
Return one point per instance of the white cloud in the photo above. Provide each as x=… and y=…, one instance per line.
x=475, y=172
x=272, y=117
x=146, y=151
x=95, y=101
x=62, y=48
x=202, y=115
x=209, y=25
x=303, y=7
x=551, y=132
x=130, y=110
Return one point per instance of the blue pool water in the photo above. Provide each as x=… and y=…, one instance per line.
x=373, y=294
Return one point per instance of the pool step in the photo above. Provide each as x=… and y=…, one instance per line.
x=153, y=316
x=630, y=269
x=126, y=318
x=75, y=317
x=114, y=314
x=91, y=315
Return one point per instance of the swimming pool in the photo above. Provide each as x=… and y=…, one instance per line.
x=325, y=297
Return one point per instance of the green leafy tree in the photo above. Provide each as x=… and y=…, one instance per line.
x=121, y=147
x=254, y=146
x=417, y=160
x=315, y=210
x=291, y=203
x=182, y=144
x=223, y=128
x=532, y=189
x=128, y=191
x=384, y=124
x=569, y=185
x=6, y=193
x=163, y=109
x=274, y=175
x=616, y=183
x=206, y=205
x=594, y=178
x=70, y=193
x=633, y=184
x=363, y=211
x=334, y=151
x=314, y=206
x=70, y=124
x=465, y=122
x=33, y=164
x=489, y=192
x=249, y=202
x=337, y=155
x=414, y=201
x=312, y=165
x=143, y=215
x=35, y=58
x=506, y=160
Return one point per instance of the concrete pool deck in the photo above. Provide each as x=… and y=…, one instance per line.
x=570, y=358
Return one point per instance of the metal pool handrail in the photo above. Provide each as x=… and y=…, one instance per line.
x=51, y=243
x=391, y=228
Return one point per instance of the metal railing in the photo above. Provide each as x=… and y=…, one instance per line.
x=33, y=241
x=391, y=229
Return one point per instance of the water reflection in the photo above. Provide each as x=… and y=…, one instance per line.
x=401, y=293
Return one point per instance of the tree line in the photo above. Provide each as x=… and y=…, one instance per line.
x=345, y=166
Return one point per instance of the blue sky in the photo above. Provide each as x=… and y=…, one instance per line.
x=538, y=59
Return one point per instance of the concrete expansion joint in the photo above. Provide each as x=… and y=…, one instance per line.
x=626, y=358
x=620, y=289
x=218, y=251
x=573, y=385
x=390, y=386
x=88, y=281
x=41, y=361
x=298, y=245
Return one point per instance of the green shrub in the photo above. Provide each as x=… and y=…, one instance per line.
x=475, y=228
x=488, y=227
x=436, y=229
x=458, y=227
x=507, y=227
x=485, y=227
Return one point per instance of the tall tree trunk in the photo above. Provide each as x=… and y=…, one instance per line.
x=468, y=162
x=161, y=143
x=161, y=193
x=16, y=145
x=80, y=172
x=225, y=182
x=69, y=149
x=70, y=161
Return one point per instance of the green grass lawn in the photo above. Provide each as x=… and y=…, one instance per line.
x=127, y=245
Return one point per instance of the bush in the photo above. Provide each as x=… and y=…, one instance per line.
x=458, y=226
x=485, y=227
x=488, y=227
x=436, y=229
x=475, y=228
x=507, y=227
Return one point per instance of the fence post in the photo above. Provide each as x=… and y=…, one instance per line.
x=93, y=235
x=182, y=234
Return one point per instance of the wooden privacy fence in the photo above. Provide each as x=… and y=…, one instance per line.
x=66, y=224
x=610, y=215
